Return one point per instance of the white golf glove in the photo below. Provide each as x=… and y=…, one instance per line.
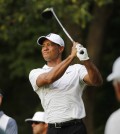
x=82, y=52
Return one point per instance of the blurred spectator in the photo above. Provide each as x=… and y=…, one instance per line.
x=1, y=131
x=113, y=123
x=38, y=123
x=7, y=124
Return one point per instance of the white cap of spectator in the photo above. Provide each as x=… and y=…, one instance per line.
x=115, y=75
x=38, y=117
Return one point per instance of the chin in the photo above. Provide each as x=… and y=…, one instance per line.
x=47, y=59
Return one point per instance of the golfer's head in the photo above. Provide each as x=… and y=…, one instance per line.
x=52, y=47
x=55, y=38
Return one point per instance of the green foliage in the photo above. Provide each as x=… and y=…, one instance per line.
x=20, y=26
x=82, y=15
x=103, y=2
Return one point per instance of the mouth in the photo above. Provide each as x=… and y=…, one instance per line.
x=44, y=53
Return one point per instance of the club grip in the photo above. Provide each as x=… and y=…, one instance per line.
x=82, y=52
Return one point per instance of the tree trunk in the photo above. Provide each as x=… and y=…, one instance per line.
x=94, y=47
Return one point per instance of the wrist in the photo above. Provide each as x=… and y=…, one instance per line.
x=86, y=62
x=71, y=56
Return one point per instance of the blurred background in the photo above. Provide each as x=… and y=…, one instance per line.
x=93, y=23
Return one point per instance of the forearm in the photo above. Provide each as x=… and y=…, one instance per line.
x=59, y=69
x=55, y=73
x=94, y=76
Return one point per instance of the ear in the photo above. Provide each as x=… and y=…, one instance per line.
x=46, y=125
x=61, y=49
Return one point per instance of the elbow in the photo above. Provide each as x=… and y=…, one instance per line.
x=101, y=82
x=42, y=81
x=49, y=81
x=98, y=82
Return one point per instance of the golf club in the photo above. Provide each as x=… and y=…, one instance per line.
x=48, y=13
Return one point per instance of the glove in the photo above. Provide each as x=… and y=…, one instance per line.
x=82, y=52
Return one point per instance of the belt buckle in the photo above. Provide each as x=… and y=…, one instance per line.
x=57, y=126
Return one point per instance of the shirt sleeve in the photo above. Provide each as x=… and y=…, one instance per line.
x=11, y=127
x=82, y=71
x=33, y=77
x=113, y=123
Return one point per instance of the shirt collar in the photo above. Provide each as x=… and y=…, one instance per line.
x=47, y=67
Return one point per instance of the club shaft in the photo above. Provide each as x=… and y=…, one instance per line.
x=62, y=25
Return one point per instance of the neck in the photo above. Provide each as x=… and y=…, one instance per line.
x=44, y=132
x=53, y=63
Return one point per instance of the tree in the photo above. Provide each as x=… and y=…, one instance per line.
x=92, y=23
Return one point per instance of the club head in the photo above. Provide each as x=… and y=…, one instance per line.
x=47, y=13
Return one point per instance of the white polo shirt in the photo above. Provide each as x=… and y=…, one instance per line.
x=62, y=100
x=113, y=123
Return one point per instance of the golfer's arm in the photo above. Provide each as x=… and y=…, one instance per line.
x=55, y=73
x=94, y=77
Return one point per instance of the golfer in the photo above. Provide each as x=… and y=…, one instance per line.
x=60, y=85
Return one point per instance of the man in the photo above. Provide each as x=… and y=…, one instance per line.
x=113, y=123
x=60, y=85
x=38, y=123
x=7, y=124
x=1, y=131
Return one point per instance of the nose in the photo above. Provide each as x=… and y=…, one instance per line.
x=33, y=124
x=44, y=48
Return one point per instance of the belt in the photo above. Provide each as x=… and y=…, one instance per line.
x=65, y=124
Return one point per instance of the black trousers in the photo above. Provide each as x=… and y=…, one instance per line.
x=71, y=129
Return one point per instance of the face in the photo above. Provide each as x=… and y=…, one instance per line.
x=39, y=128
x=51, y=51
x=116, y=85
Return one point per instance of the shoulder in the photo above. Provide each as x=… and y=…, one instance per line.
x=12, y=126
x=10, y=119
x=112, y=125
x=1, y=131
x=12, y=123
x=77, y=66
x=115, y=116
x=35, y=71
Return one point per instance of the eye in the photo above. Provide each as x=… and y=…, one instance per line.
x=42, y=46
x=49, y=44
x=46, y=45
